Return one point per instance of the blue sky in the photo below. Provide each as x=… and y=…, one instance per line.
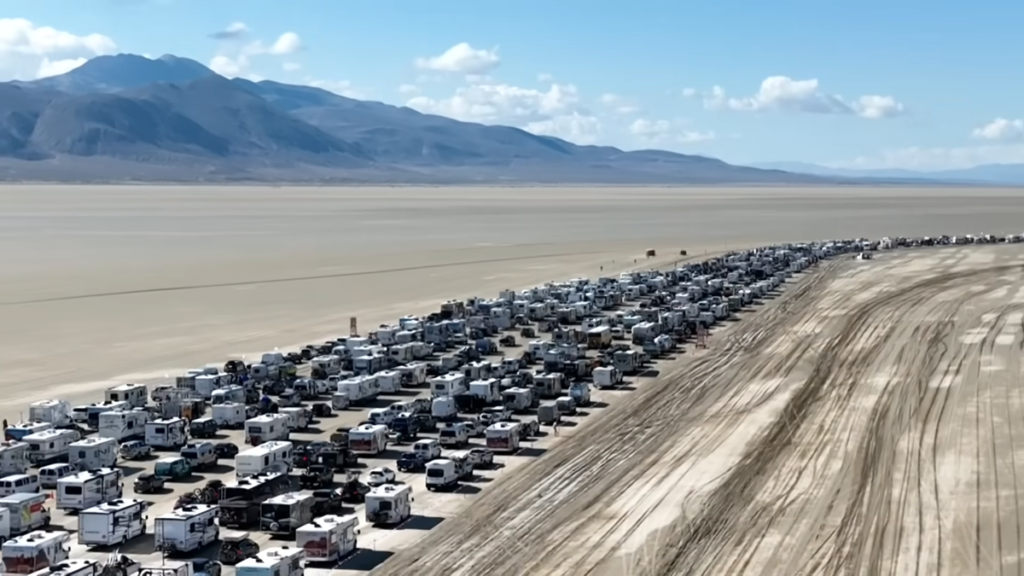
x=898, y=84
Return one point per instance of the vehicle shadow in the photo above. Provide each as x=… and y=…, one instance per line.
x=365, y=560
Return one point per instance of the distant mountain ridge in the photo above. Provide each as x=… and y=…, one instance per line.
x=1012, y=174
x=128, y=117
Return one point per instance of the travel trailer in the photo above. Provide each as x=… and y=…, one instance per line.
x=186, y=529
x=267, y=457
x=136, y=395
x=49, y=446
x=273, y=562
x=123, y=425
x=110, y=523
x=169, y=433
x=35, y=551
x=88, y=489
x=328, y=538
x=267, y=428
x=91, y=453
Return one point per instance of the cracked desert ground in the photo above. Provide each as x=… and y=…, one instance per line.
x=868, y=420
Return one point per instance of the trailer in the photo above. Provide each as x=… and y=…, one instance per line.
x=123, y=425
x=274, y=456
x=368, y=439
x=35, y=551
x=49, y=446
x=88, y=489
x=267, y=428
x=26, y=511
x=328, y=538
x=55, y=412
x=389, y=505
x=186, y=530
x=13, y=458
x=284, y=514
x=170, y=433
x=92, y=453
x=229, y=415
x=136, y=395
x=273, y=562
x=503, y=437
x=114, y=522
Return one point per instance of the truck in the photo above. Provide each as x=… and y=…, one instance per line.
x=186, y=529
x=114, y=522
x=267, y=428
x=328, y=538
x=35, y=551
x=87, y=489
x=284, y=514
x=389, y=505
x=168, y=433
x=25, y=511
x=91, y=453
x=627, y=361
x=368, y=439
x=123, y=425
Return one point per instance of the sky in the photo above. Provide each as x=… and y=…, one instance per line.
x=908, y=84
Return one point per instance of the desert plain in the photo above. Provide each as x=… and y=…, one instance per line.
x=867, y=420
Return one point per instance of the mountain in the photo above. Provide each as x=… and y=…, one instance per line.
x=983, y=174
x=131, y=117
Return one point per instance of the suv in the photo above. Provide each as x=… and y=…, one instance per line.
x=134, y=450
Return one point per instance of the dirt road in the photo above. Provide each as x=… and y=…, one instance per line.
x=866, y=422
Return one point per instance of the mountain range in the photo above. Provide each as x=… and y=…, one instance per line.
x=1010, y=174
x=132, y=118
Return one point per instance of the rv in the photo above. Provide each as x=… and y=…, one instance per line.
x=88, y=489
x=169, y=433
x=91, y=453
x=267, y=457
x=35, y=551
x=115, y=522
x=72, y=568
x=186, y=529
x=607, y=377
x=389, y=505
x=200, y=455
x=13, y=458
x=123, y=425
x=27, y=511
x=272, y=562
x=229, y=415
x=19, y=430
x=368, y=438
x=328, y=538
x=503, y=436
x=448, y=385
x=284, y=514
x=227, y=394
x=49, y=446
x=297, y=418
x=240, y=500
x=266, y=428
x=55, y=412
x=136, y=395
x=442, y=474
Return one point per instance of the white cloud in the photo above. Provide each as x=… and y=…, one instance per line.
x=689, y=92
x=228, y=66
x=287, y=43
x=618, y=105
x=555, y=111
x=666, y=132
x=291, y=66
x=938, y=158
x=461, y=59
x=781, y=93
x=339, y=87
x=236, y=62
x=49, y=67
x=408, y=89
x=234, y=31
x=27, y=50
x=1000, y=129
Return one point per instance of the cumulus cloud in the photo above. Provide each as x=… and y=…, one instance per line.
x=1000, y=129
x=556, y=111
x=461, y=59
x=234, y=31
x=231, y=67
x=618, y=105
x=287, y=43
x=666, y=132
x=782, y=93
x=409, y=89
x=234, y=62
x=27, y=50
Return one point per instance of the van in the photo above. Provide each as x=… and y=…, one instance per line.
x=19, y=483
x=428, y=449
x=441, y=475
x=48, y=475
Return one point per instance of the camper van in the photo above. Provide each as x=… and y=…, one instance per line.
x=122, y=425
x=49, y=474
x=90, y=453
x=389, y=505
x=136, y=395
x=266, y=428
x=169, y=433
x=88, y=489
x=186, y=529
x=114, y=522
x=267, y=457
x=229, y=415
x=49, y=446
x=328, y=538
x=35, y=551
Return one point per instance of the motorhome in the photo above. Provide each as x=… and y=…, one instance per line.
x=136, y=395
x=229, y=414
x=49, y=446
x=240, y=499
x=35, y=551
x=20, y=430
x=73, y=568
x=266, y=428
x=503, y=436
x=169, y=433
x=55, y=412
x=368, y=438
x=441, y=474
x=284, y=514
x=328, y=538
x=448, y=385
x=185, y=529
x=267, y=457
x=298, y=420
x=123, y=425
x=200, y=455
x=114, y=522
x=273, y=562
x=91, y=453
x=13, y=458
x=27, y=511
x=226, y=394
x=606, y=377
x=389, y=505
x=88, y=489
x=89, y=414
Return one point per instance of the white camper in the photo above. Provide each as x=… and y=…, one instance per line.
x=297, y=418
x=328, y=538
x=448, y=385
x=92, y=453
x=19, y=430
x=368, y=438
x=273, y=562
x=232, y=393
x=13, y=458
x=266, y=428
x=115, y=522
x=186, y=529
x=49, y=446
x=285, y=513
x=123, y=425
x=167, y=433
x=136, y=395
x=88, y=489
x=229, y=415
x=56, y=412
x=389, y=505
x=35, y=551
x=275, y=456
x=72, y=568
x=503, y=436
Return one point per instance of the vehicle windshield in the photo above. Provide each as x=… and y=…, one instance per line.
x=435, y=473
x=276, y=511
x=164, y=468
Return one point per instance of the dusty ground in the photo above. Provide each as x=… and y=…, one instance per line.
x=868, y=422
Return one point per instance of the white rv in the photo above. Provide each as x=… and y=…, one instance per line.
x=273, y=456
x=266, y=428
x=186, y=529
x=328, y=538
x=285, y=513
x=13, y=458
x=272, y=562
x=229, y=415
x=167, y=433
x=35, y=551
x=136, y=395
x=233, y=393
x=123, y=425
x=297, y=418
x=368, y=438
x=88, y=489
x=19, y=430
x=115, y=522
x=49, y=446
x=389, y=504
x=72, y=568
x=55, y=412
x=92, y=453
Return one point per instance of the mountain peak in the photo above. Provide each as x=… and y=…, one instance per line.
x=123, y=71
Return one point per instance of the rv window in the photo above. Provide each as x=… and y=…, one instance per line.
x=209, y=521
x=73, y=490
x=137, y=516
x=113, y=397
x=159, y=430
x=266, y=461
x=191, y=527
x=51, y=444
x=131, y=425
x=384, y=506
x=117, y=520
x=81, y=453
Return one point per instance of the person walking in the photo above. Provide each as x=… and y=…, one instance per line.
x=554, y=428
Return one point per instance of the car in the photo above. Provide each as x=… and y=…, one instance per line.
x=148, y=483
x=497, y=413
x=411, y=462
x=481, y=457
x=225, y=450
x=380, y=476
x=134, y=450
